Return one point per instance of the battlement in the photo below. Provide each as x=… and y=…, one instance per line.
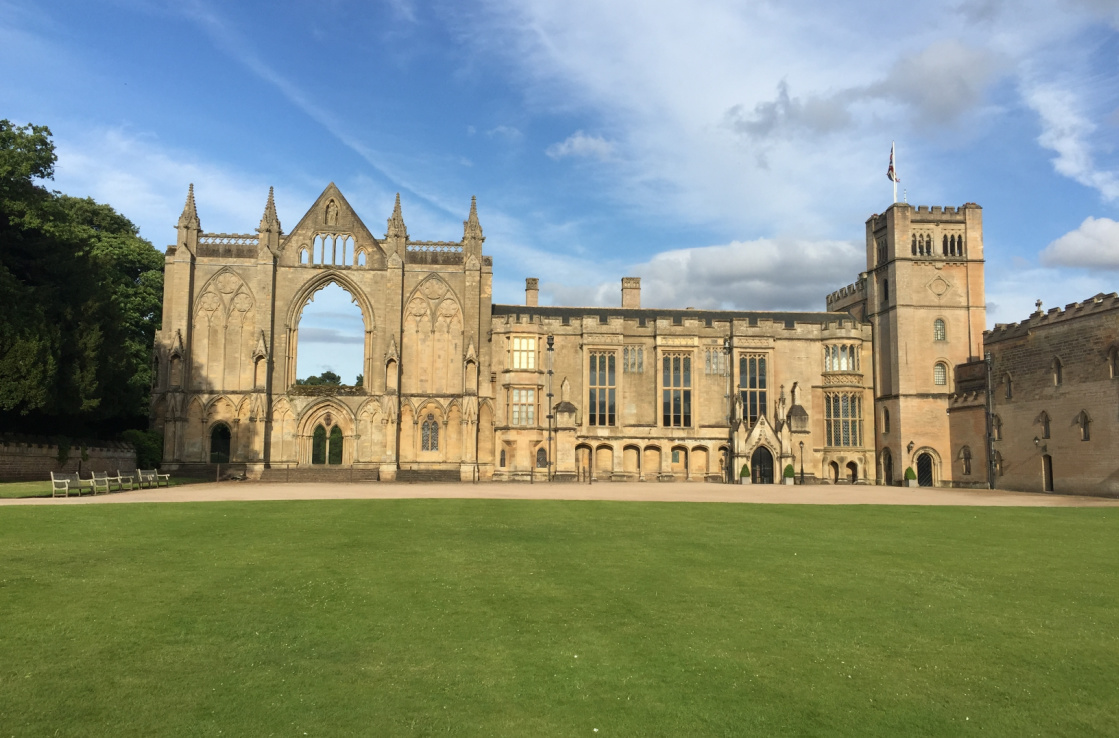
x=1101, y=303
x=856, y=290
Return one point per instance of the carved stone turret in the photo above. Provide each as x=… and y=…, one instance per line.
x=270, y=229
x=472, y=237
x=189, y=228
x=396, y=237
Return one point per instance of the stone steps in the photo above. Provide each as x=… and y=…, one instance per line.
x=313, y=474
x=427, y=475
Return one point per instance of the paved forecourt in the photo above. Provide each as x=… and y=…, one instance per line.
x=621, y=491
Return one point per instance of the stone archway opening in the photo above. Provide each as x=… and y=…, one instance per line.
x=761, y=466
x=220, y=442
x=925, y=470
x=330, y=339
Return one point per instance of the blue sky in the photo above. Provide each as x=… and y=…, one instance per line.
x=728, y=153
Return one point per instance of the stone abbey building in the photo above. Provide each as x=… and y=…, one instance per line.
x=456, y=387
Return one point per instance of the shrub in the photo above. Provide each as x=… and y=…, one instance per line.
x=745, y=471
x=789, y=471
x=148, y=445
x=909, y=473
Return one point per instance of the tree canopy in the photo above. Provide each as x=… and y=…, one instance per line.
x=80, y=298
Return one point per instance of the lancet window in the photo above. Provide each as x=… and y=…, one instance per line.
x=429, y=433
x=633, y=359
x=335, y=249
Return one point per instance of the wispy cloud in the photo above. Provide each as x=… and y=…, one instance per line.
x=1066, y=131
x=581, y=145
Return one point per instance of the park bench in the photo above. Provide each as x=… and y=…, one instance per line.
x=152, y=477
x=129, y=479
x=66, y=483
x=104, y=481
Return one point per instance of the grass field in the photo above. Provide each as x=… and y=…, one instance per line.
x=425, y=617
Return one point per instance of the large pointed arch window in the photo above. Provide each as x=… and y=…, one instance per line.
x=429, y=433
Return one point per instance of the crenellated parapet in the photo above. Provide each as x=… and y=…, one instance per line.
x=1101, y=303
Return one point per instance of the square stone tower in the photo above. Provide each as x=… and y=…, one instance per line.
x=924, y=296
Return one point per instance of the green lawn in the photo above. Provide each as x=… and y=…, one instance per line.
x=531, y=618
x=44, y=489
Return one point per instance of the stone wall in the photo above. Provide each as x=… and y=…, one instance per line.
x=25, y=460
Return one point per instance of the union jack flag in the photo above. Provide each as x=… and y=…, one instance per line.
x=890, y=173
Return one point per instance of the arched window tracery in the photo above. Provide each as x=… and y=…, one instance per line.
x=429, y=432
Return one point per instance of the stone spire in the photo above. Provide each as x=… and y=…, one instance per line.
x=189, y=218
x=397, y=229
x=269, y=222
x=471, y=228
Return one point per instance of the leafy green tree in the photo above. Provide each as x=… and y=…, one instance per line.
x=80, y=297
x=327, y=377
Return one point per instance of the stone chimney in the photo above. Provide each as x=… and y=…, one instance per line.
x=532, y=291
x=631, y=292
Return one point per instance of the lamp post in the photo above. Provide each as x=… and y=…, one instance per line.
x=802, y=462
x=551, y=409
x=728, y=349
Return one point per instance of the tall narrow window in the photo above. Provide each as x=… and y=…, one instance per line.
x=965, y=456
x=1058, y=372
x=633, y=359
x=996, y=428
x=885, y=420
x=524, y=407
x=429, y=433
x=1009, y=387
x=524, y=352
x=1084, y=422
x=843, y=419
x=939, y=332
x=940, y=375
x=716, y=361
x=677, y=399
x=1043, y=419
x=600, y=410
x=885, y=292
x=1113, y=363
x=753, y=385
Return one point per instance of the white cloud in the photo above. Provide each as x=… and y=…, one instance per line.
x=1066, y=131
x=763, y=274
x=1094, y=245
x=511, y=133
x=581, y=145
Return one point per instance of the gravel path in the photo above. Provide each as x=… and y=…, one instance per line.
x=649, y=492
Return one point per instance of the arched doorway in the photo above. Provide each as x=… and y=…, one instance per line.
x=852, y=472
x=887, y=467
x=761, y=466
x=833, y=472
x=219, y=444
x=326, y=448
x=925, y=470
x=1047, y=471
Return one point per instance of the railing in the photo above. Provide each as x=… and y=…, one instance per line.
x=435, y=246
x=228, y=245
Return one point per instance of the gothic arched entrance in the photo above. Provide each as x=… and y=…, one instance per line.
x=219, y=444
x=925, y=470
x=761, y=466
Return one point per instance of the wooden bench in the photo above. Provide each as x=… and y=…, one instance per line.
x=66, y=483
x=152, y=477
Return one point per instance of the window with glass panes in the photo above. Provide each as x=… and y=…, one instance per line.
x=843, y=418
x=633, y=359
x=752, y=383
x=524, y=352
x=677, y=387
x=523, y=405
x=602, y=384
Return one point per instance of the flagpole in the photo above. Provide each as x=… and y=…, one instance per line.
x=894, y=161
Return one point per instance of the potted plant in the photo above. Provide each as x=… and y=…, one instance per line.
x=790, y=474
x=744, y=474
x=910, y=477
